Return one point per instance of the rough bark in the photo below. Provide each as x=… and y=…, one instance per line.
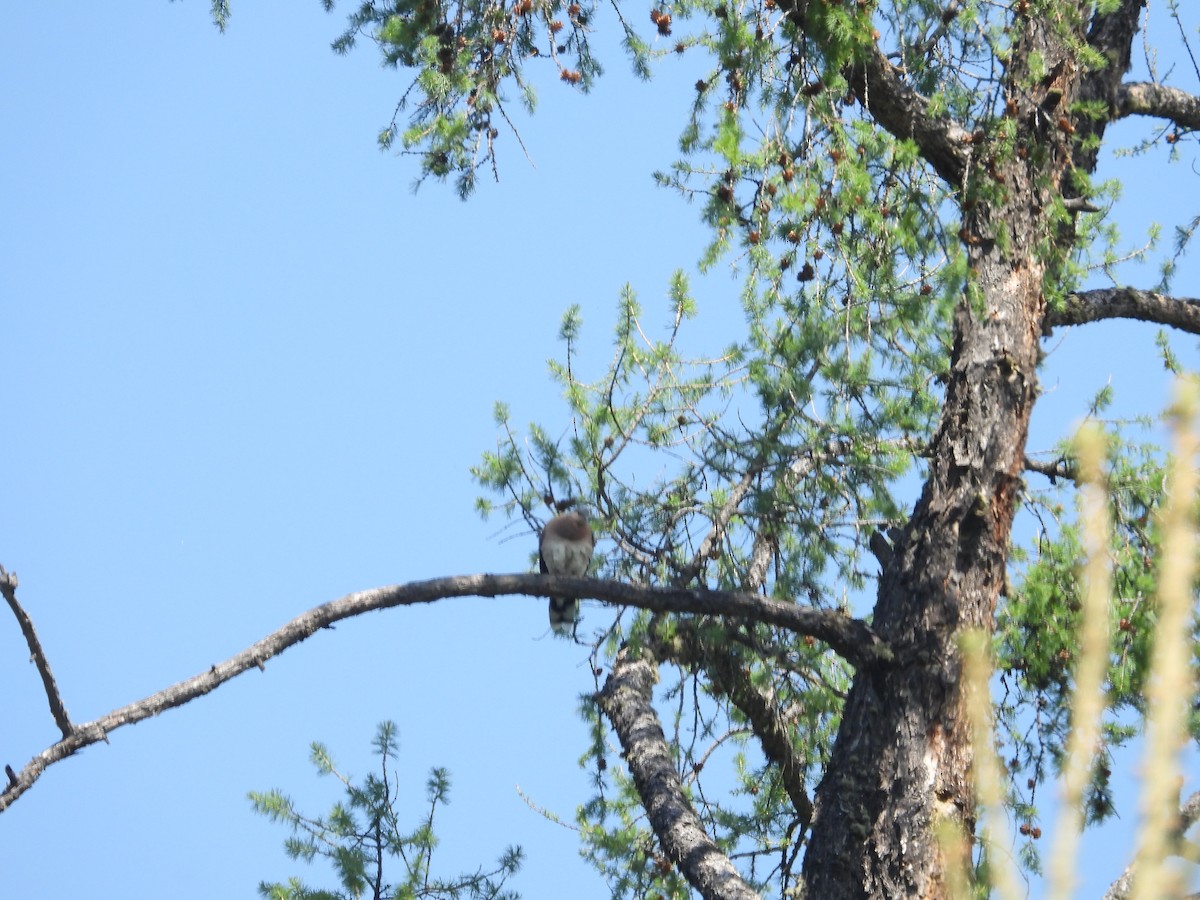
x=903, y=756
x=626, y=700
x=1142, y=98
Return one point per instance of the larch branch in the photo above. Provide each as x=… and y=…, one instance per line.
x=626, y=701
x=900, y=109
x=904, y=112
x=1127, y=303
x=852, y=638
x=8, y=587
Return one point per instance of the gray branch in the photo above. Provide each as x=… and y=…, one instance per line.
x=8, y=587
x=626, y=701
x=1127, y=303
x=852, y=638
x=1143, y=98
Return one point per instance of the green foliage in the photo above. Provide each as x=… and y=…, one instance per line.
x=1037, y=626
x=768, y=464
x=467, y=65
x=362, y=835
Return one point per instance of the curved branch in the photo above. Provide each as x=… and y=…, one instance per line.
x=1127, y=303
x=1143, y=98
x=852, y=638
x=625, y=699
x=904, y=112
x=759, y=706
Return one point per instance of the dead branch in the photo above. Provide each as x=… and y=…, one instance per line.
x=852, y=638
x=8, y=587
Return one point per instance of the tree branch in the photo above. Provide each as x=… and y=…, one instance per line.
x=8, y=587
x=757, y=705
x=625, y=699
x=904, y=112
x=852, y=638
x=1127, y=303
x=1054, y=469
x=1143, y=98
x=899, y=109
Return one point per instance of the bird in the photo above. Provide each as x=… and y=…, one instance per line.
x=565, y=548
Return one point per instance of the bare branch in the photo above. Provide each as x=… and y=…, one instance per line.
x=759, y=706
x=8, y=587
x=1127, y=303
x=852, y=638
x=1142, y=98
x=625, y=699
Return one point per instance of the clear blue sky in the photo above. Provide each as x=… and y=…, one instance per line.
x=246, y=371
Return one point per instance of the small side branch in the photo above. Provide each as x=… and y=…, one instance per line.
x=1127, y=303
x=760, y=708
x=626, y=701
x=8, y=587
x=1054, y=469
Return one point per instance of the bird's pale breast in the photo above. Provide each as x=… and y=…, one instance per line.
x=565, y=557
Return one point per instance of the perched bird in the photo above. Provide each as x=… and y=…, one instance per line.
x=565, y=549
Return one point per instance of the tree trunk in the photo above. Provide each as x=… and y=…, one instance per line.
x=903, y=755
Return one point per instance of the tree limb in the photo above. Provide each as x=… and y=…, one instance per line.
x=759, y=707
x=625, y=699
x=852, y=638
x=1054, y=469
x=1082, y=307
x=1143, y=98
x=8, y=587
x=904, y=112
x=1112, y=35
x=899, y=109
